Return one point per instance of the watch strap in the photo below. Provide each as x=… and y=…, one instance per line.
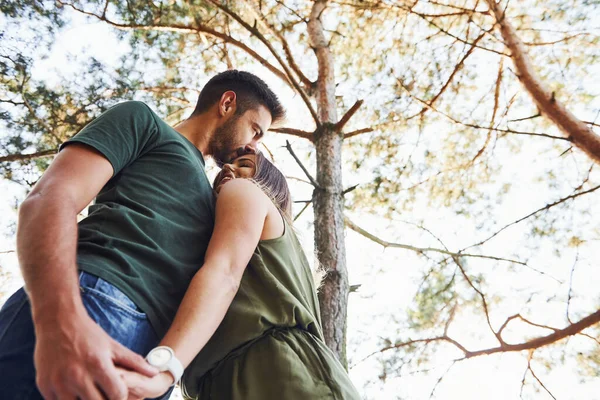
x=175, y=368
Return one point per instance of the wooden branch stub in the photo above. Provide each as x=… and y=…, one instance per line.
x=348, y=190
x=295, y=132
x=354, y=288
x=344, y=120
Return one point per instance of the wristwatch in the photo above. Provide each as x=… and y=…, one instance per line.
x=163, y=358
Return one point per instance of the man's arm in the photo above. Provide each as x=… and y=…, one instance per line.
x=74, y=357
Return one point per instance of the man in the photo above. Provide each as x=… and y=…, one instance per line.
x=135, y=253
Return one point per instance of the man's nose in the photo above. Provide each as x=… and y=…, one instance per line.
x=247, y=149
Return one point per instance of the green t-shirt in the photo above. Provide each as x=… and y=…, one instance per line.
x=149, y=228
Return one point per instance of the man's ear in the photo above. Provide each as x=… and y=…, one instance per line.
x=227, y=103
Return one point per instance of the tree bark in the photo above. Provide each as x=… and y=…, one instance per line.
x=328, y=207
x=576, y=130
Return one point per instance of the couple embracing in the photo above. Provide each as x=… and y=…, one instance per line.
x=167, y=272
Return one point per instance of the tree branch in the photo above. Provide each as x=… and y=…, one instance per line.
x=370, y=128
x=26, y=157
x=494, y=111
x=536, y=343
x=284, y=44
x=187, y=29
x=519, y=316
x=442, y=30
x=581, y=135
x=269, y=46
x=295, y=132
x=457, y=68
x=412, y=343
x=326, y=66
x=358, y=132
x=533, y=344
x=479, y=292
x=475, y=126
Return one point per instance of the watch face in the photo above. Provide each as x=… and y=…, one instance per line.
x=159, y=357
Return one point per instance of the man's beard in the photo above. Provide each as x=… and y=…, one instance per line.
x=223, y=142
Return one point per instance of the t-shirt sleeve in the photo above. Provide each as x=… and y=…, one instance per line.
x=121, y=134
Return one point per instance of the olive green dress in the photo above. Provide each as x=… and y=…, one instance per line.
x=270, y=344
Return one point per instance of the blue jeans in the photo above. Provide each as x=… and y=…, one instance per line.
x=107, y=305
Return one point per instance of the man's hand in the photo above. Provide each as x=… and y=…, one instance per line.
x=75, y=358
x=142, y=387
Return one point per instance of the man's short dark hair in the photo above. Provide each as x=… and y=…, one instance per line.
x=250, y=90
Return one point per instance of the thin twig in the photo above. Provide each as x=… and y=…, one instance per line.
x=512, y=131
x=441, y=378
x=312, y=180
x=541, y=384
x=421, y=250
x=301, y=211
x=545, y=208
x=571, y=286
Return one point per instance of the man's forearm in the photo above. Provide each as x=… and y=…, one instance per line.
x=46, y=246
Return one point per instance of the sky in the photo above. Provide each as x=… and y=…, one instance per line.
x=388, y=282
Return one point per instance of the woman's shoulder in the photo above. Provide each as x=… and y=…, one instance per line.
x=241, y=190
x=245, y=194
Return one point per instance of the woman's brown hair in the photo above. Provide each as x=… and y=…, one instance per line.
x=270, y=179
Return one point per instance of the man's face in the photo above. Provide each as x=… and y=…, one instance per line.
x=231, y=138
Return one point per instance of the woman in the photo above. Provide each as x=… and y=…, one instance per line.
x=255, y=289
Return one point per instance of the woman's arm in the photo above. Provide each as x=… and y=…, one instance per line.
x=241, y=212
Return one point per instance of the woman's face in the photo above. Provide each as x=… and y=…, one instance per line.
x=241, y=167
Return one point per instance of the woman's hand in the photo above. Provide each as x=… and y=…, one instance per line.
x=142, y=387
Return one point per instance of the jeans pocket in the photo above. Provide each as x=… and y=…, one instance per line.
x=116, y=314
x=108, y=293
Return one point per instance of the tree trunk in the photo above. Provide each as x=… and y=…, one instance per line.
x=328, y=207
x=576, y=130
